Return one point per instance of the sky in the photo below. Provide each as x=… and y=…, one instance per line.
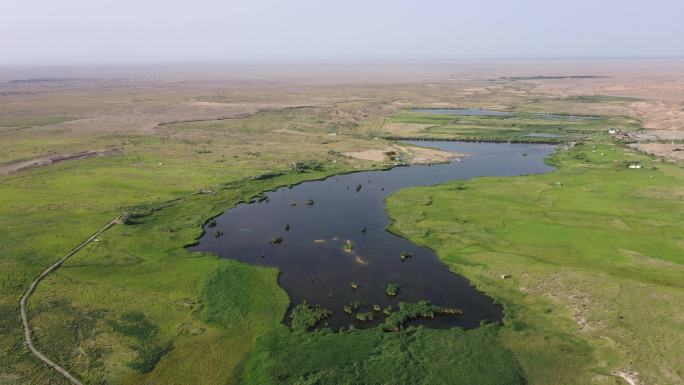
x=47, y=32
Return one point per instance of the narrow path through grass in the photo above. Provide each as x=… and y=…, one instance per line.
x=27, y=294
x=32, y=288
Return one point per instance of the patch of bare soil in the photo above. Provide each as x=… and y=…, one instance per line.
x=373, y=155
x=660, y=90
x=424, y=155
x=49, y=160
x=668, y=150
x=413, y=154
x=631, y=377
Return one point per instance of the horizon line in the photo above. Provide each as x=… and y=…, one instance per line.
x=177, y=63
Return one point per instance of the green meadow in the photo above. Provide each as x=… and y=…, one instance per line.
x=592, y=256
x=518, y=127
x=129, y=308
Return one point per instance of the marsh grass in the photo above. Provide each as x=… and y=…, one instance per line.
x=304, y=316
x=392, y=289
x=594, y=236
x=240, y=307
x=405, y=255
x=365, y=317
x=516, y=128
x=407, y=312
x=143, y=266
x=372, y=356
x=149, y=345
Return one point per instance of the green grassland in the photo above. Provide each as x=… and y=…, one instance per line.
x=143, y=268
x=417, y=356
x=135, y=307
x=595, y=252
x=519, y=127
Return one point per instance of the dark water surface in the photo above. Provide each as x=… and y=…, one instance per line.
x=462, y=111
x=543, y=135
x=316, y=269
x=485, y=112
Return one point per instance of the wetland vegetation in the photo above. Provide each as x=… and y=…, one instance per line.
x=584, y=249
x=322, y=273
x=498, y=126
x=602, y=239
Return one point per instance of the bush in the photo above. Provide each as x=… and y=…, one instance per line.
x=365, y=317
x=307, y=166
x=408, y=311
x=304, y=316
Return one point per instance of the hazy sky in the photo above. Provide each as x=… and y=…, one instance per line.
x=156, y=31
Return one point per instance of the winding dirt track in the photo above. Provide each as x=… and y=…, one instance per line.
x=55, y=266
x=32, y=288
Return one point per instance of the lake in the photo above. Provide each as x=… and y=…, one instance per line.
x=315, y=268
x=462, y=112
x=485, y=112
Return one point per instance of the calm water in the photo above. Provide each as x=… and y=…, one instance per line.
x=543, y=135
x=316, y=269
x=463, y=112
x=485, y=112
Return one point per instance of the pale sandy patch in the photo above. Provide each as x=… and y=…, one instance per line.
x=673, y=151
x=424, y=155
x=631, y=377
x=373, y=155
x=413, y=154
